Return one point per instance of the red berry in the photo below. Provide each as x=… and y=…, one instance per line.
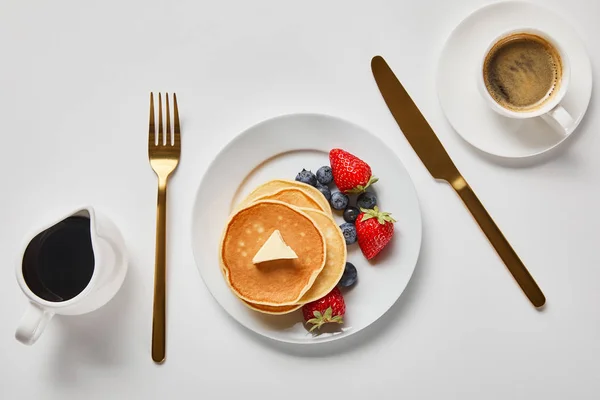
x=328, y=309
x=350, y=173
x=374, y=230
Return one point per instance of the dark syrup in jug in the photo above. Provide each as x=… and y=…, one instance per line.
x=59, y=263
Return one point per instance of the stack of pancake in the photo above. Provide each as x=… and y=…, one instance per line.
x=303, y=217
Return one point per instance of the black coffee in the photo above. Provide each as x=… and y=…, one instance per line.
x=522, y=71
x=59, y=262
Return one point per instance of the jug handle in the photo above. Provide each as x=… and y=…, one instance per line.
x=32, y=324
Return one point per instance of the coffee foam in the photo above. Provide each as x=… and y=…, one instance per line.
x=521, y=72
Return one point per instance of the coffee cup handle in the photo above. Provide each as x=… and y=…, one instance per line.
x=32, y=324
x=559, y=119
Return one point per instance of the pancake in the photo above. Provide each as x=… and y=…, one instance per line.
x=276, y=185
x=294, y=197
x=335, y=257
x=331, y=273
x=273, y=310
x=278, y=282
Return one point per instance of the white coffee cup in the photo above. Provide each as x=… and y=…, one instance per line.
x=551, y=110
x=109, y=270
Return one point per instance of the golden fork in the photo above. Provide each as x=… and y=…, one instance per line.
x=163, y=152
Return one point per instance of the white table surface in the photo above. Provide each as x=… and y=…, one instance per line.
x=74, y=84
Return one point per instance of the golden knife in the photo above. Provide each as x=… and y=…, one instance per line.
x=431, y=152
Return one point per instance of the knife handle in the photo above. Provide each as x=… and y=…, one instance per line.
x=497, y=239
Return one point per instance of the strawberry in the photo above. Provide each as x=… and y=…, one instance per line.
x=350, y=173
x=328, y=309
x=374, y=229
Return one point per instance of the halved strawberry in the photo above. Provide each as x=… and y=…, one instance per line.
x=374, y=229
x=350, y=173
x=328, y=309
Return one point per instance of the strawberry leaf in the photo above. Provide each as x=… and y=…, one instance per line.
x=386, y=217
x=366, y=217
x=360, y=188
x=382, y=217
x=356, y=190
x=372, y=180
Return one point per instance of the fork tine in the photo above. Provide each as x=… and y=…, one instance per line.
x=151, y=128
x=161, y=137
x=168, y=115
x=175, y=117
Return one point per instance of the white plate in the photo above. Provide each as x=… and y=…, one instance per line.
x=280, y=148
x=462, y=103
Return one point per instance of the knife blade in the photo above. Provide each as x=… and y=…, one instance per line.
x=430, y=150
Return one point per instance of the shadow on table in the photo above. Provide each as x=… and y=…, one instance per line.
x=92, y=339
x=390, y=321
x=560, y=151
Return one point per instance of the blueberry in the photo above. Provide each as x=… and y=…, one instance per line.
x=325, y=190
x=351, y=213
x=324, y=175
x=307, y=177
x=366, y=200
x=349, y=231
x=339, y=200
x=350, y=275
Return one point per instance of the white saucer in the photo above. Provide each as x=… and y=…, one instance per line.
x=279, y=148
x=462, y=103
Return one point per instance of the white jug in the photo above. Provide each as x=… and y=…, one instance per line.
x=70, y=267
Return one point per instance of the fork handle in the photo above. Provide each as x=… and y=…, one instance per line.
x=497, y=239
x=160, y=272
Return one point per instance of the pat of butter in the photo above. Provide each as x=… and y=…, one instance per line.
x=274, y=249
